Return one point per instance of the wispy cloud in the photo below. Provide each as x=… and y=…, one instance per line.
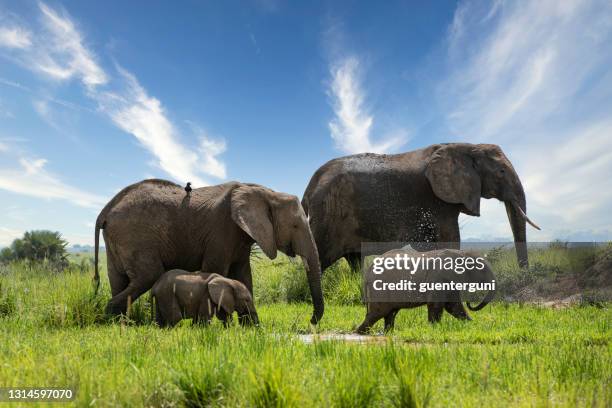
x=42, y=108
x=32, y=179
x=65, y=56
x=351, y=127
x=4, y=111
x=14, y=37
x=143, y=116
x=8, y=235
x=59, y=52
x=13, y=84
x=536, y=78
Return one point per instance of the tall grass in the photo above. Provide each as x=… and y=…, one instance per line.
x=284, y=280
x=54, y=333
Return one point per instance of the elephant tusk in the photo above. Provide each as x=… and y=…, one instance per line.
x=525, y=217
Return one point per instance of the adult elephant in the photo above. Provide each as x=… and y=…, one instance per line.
x=410, y=197
x=154, y=226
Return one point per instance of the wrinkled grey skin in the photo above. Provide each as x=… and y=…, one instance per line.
x=154, y=226
x=409, y=197
x=179, y=294
x=388, y=310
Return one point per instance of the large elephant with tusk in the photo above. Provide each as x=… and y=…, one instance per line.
x=410, y=197
x=155, y=225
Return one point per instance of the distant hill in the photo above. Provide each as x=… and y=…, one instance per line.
x=83, y=248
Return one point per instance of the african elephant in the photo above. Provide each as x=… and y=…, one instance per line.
x=155, y=225
x=386, y=303
x=410, y=197
x=179, y=294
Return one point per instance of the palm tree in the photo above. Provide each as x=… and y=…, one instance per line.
x=40, y=245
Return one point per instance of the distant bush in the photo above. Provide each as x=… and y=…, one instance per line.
x=558, y=244
x=6, y=255
x=38, y=246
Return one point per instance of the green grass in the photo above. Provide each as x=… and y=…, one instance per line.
x=55, y=334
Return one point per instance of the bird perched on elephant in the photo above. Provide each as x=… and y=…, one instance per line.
x=410, y=197
x=387, y=292
x=179, y=294
x=152, y=226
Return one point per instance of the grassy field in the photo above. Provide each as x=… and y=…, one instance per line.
x=55, y=334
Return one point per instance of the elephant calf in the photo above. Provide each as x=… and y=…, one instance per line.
x=179, y=294
x=445, y=270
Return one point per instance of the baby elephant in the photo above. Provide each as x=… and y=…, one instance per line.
x=181, y=295
x=446, y=266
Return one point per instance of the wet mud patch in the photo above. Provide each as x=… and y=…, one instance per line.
x=345, y=338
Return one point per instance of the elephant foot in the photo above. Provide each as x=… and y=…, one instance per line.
x=113, y=309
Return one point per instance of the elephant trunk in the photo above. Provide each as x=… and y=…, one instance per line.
x=519, y=231
x=254, y=318
x=516, y=209
x=488, y=298
x=308, y=251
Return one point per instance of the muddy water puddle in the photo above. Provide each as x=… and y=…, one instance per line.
x=343, y=337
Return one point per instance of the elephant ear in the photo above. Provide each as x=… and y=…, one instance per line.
x=222, y=294
x=454, y=179
x=252, y=213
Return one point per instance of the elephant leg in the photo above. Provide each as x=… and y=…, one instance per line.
x=205, y=312
x=241, y=271
x=225, y=317
x=354, y=260
x=371, y=318
x=448, y=231
x=325, y=263
x=172, y=314
x=450, y=238
x=390, y=320
x=143, y=273
x=166, y=316
x=119, y=281
x=159, y=318
x=434, y=311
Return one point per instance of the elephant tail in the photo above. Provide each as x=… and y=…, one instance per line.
x=96, y=277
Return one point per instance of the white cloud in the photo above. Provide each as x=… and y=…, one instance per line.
x=144, y=117
x=535, y=77
x=13, y=84
x=8, y=235
x=42, y=108
x=59, y=52
x=32, y=167
x=352, y=125
x=14, y=37
x=64, y=54
x=210, y=149
x=32, y=179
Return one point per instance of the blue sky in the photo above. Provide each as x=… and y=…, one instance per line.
x=97, y=95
